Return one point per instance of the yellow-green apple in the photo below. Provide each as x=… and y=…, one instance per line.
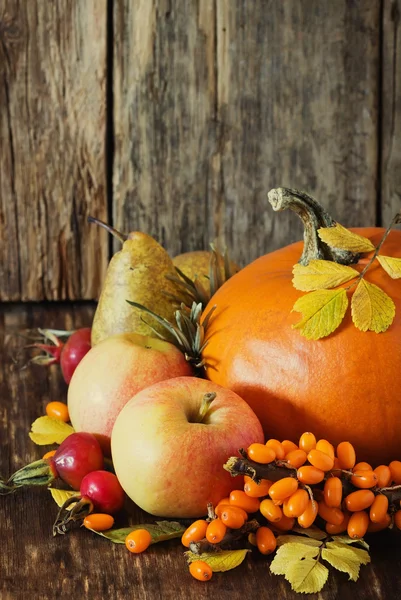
x=112, y=372
x=170, y=442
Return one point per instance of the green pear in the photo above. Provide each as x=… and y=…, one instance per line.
x=136, y=273
x=196, y=265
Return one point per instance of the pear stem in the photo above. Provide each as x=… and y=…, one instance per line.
x=122, y=237
x=204, y=407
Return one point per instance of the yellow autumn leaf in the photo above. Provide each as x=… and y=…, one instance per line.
x=60, y=496
x=219, y=561
x=307, y=576
x=297, y=539
x=322, y=312
x=372, y=309
x=391, y=265
x=345, y=558
x=291, y=552
x=46, y=430
x=321, y=274
x=342, y=238
x=362, y=555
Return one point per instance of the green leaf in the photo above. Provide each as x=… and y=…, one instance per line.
x=313, y=532
x=46, y=430
x=372, y=309
x=321, y=274
x=160, y=531
x=345, y=539
x=289, y=553
x=60, y=496
x=307, y=576
x=322, y=312
x=219, y=561
x=391, y=265
x=343, y=239
x=307, y=541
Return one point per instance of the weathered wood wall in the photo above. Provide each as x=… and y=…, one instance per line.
x=176, y=117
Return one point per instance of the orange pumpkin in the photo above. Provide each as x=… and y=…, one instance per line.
x=343, y=387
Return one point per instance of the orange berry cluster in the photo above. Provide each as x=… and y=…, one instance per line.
x=317, y=462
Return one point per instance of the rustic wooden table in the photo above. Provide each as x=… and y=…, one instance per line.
x=83, y=565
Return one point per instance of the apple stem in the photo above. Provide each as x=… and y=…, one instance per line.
x=204, y=408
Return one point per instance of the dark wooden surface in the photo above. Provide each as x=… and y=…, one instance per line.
x=176, y=117
x=82, y=565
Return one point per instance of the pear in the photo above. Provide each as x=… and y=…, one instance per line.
x=136, y=273
x=196, y=266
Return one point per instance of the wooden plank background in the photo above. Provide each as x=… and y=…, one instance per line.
x=176, y=117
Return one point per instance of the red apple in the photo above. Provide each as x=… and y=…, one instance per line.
x=169, y=446
x=112, y=372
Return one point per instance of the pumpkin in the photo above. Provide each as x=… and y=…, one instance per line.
x=343, y=387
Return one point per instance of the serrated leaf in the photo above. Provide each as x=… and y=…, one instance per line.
x=341, y=562
x=220, y=561
x=290, y=552
x=60, y=496
x=297, y=539
x=361, y=555
x=307, y=576
x=344, y=239
x=345, y=539
x=321, y=274
x=312, y=532
x=46, y=430
x=160, y=531
x=391, y=265
x=322, y=312
x=372, y=309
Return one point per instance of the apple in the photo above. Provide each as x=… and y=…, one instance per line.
x=111, y=373
x=170, y=442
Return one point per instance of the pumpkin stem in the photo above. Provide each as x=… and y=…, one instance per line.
x=313, y=217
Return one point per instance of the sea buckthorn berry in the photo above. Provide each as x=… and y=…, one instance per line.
x=336, y=529
x=379, y=509
x=307, y=442
x=337, y=465
x=239, y=498
x=383, y=473
x=395, y=468
x=282, y=489
x=358, y=524
x=285, y=523
x=195, y=532
x=215, y=531
x=320, y=460
x=362, y=466
x=359, y=500
x=49, y=454
x=270, y=511
x=288, y=446
x=232, y=517
x=346, y=455
x=252, y=538
x=397, y=519
x=58, y=410
x=138, y=540
x=326, y=447
x=310, y=475
x=375, y=527
x=297, y=503
x=222, y=507
x=200, y=570
x=223, y=501
x=364, y=479
x=98, y=522
x=309, y=515
x=257, y=490
x=296, y=458
x=265, y=540
x=333, y=492
x=335, y=516
x=261, y=454
x=277, y=447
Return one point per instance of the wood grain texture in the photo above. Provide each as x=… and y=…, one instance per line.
x=217, y=102
x=391, y=111
x=82, y=565
x=52, y=148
